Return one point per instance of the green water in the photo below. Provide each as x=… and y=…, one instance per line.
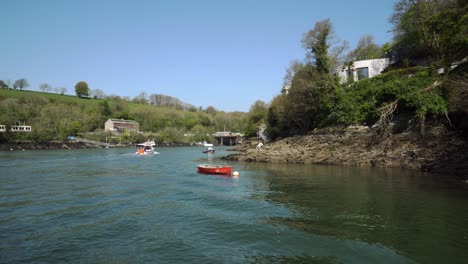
x=110, y=206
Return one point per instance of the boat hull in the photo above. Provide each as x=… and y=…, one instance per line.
x=214, y=169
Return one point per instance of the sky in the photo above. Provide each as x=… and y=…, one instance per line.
x=221, y=53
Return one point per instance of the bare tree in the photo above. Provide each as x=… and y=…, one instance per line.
x=45, y=87
x=63, y=90
x=98, y=93
x=20, y=83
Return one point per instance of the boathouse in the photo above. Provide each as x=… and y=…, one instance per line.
x=121, y=125
x=228, y=138
x=2, y=128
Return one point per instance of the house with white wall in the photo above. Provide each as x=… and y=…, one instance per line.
x=120, y=125
x=363, y=69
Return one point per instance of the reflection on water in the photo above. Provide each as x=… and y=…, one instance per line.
x=410, y=212
x=109, y=205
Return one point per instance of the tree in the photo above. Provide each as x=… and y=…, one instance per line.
x=62, y=90
x=366, y=49
x=294, y=66
x=317, y=41
x=45, y=87
x=256, y=117
x=98, y=94
x=20, y=83
x=142, y=98
x=3, y=85
x=81, y=89
x=105, y=109
x=211, y=110
x=449, y=28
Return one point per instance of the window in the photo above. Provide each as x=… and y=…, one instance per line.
x=362, y=73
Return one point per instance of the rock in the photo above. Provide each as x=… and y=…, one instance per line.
x=439, y=152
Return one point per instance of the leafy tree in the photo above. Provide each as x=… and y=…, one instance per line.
x=449, y=28
x=310, y=100
x=294, y=66
x=82, y=89
x=277, y=125
x=434, y=30
x=256, y=117
x=211, y=110
x=20, y=83
x=317, y=40
x=105, y=109
x=366, y=49
x=325, y=48
x=3, y=85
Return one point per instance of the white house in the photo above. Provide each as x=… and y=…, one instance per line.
x=21, y=128
x=362, y=69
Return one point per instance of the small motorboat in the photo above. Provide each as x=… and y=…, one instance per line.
x=146, y=148
x=214, y=169
x=209, y=150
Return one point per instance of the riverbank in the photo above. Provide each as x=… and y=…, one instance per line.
x=439, y=151
x=13, y=146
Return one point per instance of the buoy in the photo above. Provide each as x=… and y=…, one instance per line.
x=235, y=173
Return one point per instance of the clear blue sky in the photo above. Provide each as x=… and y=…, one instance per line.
x=226, y=54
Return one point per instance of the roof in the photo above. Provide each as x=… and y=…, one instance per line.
x=122, y=121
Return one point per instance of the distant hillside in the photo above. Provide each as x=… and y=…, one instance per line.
x=164, y=118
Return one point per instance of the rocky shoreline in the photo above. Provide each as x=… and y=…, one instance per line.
x=438, y=151
x=44, y=145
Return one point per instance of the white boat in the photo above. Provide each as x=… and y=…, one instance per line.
x=146, y=148
x=209, y=150
x=206, y=144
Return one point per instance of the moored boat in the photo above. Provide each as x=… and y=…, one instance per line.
x=209, y=150
x=214, y=169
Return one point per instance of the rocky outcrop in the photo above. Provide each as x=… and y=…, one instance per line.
x=437, y=151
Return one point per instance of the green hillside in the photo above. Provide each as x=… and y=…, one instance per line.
x=54, y=117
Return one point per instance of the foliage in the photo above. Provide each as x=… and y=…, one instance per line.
x=433, y=29
x=82, y=89
x=316, y=101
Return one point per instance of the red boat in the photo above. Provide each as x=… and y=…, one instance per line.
x=214, y=169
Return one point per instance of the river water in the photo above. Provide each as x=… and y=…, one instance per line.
x=110, y=206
